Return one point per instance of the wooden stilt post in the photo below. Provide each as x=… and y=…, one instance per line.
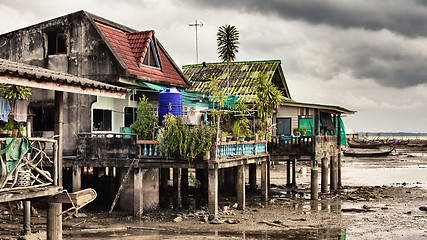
x=77, y=178
x=213, y=191
x=294, y=172
x=288, y=172
x=138, y=189
x=264, y=187
x=240, y=185
x=252, y=176
x=163, y=198
x=58, y=130
x=339, y=154
x=184, y=187
x=324, y=180
x=27, y=217
x=54, y=221
x=176, y=188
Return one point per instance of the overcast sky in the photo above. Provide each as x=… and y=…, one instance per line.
x=368, y=56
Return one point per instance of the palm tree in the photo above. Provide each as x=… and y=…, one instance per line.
x=228, y=41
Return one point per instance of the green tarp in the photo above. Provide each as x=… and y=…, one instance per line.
x=309, y=123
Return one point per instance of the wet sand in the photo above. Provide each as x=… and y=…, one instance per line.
x=381, y=199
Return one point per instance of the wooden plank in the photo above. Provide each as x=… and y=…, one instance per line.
x=79, y=198
x=17, y=195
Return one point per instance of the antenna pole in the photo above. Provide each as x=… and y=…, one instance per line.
x=197, y=47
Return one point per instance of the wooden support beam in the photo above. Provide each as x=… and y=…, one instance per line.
x=213, y=192
x=163, y=198
x=184, y=187
x=77, y=178
x=324, y=180
x=252, y=176
x=54, y=221
x=176, y=188
x=58, y=130
x=240, y=185
x=294, y=172
x=288, y=172
x=78, y=198
x=264, y=183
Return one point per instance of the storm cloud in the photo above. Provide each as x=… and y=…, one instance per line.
x=406, y=18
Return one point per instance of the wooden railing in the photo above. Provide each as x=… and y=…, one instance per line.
x=226, y=149
x=28, y=163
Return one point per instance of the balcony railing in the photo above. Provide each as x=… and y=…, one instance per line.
x=226, y=149
x=28, y=163
x=303, y=145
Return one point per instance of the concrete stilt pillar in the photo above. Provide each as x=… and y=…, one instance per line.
x=294, y=172
x=324, y=180
x=163, y=198
x=252, y=176
x=138, y=196
x=54, y=221
x=334, y=174
x=288, y=172
x=264, y=187
x=213, y=192
x=268, y=174
x=176, y=188
x=314, y=180
x=240, y=185
x=77, y=178
x=27, y=217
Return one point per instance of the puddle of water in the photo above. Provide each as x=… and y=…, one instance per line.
x=296, y=234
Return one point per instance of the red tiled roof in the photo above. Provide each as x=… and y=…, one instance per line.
x=131, y=48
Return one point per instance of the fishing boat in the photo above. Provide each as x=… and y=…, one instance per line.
x=367, y=153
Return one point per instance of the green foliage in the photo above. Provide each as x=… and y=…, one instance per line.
x=179, y=141
x=146, y=123
x=303, y=128
x=9, y=125
x=227, y=42
x=13, y=92
x=195, y=181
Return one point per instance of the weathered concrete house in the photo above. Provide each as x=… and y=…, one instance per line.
x=89, y=46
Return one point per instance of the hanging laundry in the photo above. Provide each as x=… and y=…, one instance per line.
x=21, y=107
x=4, y=109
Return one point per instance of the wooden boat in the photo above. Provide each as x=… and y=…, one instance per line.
x=366, y=145
x=367, y=154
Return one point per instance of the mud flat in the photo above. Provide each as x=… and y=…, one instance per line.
x=383, y=198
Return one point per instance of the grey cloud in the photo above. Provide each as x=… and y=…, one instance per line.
x=406, y=18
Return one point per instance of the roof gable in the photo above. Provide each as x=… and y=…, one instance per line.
x=130, y=47
x=243, y=77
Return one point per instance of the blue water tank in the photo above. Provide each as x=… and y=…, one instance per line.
x=170, y=101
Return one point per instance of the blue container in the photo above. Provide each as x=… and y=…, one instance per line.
x=170, y=101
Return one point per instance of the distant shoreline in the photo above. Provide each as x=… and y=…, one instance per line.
x=394, y=134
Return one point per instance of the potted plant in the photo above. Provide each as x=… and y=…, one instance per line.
x=295, y=131
x=223, y=136
x=303, y=130
x=8, y=128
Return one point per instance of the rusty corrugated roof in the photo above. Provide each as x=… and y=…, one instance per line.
x=242, y=77
x=11, y=68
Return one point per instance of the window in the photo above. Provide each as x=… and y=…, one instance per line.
x=101, y=120
x=130, y=116
x=43, y=119
x=283, y=126
x=151, y=57
x=56, y=43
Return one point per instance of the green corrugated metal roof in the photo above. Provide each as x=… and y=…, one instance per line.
x=243, y=77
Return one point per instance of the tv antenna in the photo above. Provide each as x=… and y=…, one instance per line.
x=195, y=25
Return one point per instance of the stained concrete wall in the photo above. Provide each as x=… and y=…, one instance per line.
x=150, y=190
x=87, y=56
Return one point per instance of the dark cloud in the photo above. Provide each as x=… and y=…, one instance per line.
x=408, y=18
